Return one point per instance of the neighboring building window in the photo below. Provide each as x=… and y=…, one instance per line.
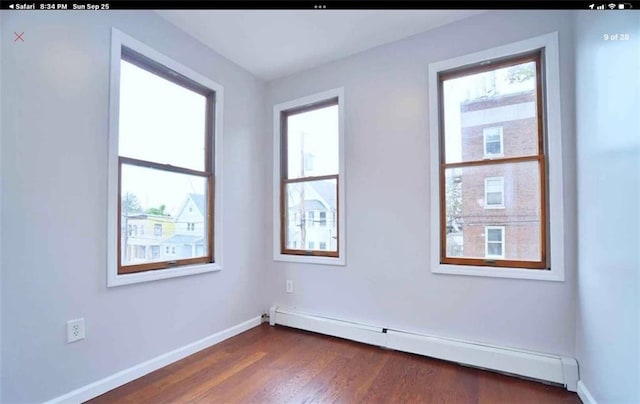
x=161, y=159
x=493, y=110
x=494, y=192
x=323, y=219
x=494, y=242
x=157, y=230
x=309, y=177
x=141, y=252
x=191, y=226
x=492, y=140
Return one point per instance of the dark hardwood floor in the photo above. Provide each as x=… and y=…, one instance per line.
x=282, y=365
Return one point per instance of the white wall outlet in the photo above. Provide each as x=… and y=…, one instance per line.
x=289, y=286
x=75, y=330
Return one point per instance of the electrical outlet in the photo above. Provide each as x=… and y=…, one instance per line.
x=75, y=330
x=289, y=286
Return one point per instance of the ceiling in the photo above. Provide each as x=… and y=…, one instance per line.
x=275, y=43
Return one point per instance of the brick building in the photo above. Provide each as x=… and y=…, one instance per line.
x=500, y=202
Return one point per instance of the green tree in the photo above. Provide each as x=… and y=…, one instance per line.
x=130, y=204
x=158, y=211
x=453, y=193
x=521, y=73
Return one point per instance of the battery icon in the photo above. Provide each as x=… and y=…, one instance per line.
x=621, y=6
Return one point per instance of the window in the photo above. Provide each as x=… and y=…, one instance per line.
x=309, y=179
x=497, y=139
x=494, y=192
x=155, y=251
x=191, y=226
x=494, y=242
x=162, y=154
x=323, y=219
x=141, y=252
x=323, y=245
x=157, y=230
x=492, y=141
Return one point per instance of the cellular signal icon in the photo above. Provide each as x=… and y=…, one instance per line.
x=600, y=7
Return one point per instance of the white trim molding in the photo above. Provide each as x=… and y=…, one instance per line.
x=553, y=141
x=584, y=394
x=118, y=40
x=277, y=110
x=125, y=376
x=536, y=365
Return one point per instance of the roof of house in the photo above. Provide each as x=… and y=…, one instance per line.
x=313, y=204
x=199, y=200
x=184, y=239
x=326, y=190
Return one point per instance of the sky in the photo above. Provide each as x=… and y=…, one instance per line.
x=313, y=133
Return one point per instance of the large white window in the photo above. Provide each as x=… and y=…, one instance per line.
x=164, y=128
x=309, y=179
x=496, y=120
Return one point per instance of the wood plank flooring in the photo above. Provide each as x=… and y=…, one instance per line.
x=282, y=365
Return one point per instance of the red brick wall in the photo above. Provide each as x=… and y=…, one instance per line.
x=521, y=213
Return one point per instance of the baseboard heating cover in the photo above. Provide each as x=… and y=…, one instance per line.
x=545, y=367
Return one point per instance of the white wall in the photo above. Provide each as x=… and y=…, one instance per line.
x=608, y=144
x=387, y=280
x=54, y=203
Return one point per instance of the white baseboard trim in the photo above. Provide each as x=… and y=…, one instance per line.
x=530, y=364
x=125, y=376
x=584, y=394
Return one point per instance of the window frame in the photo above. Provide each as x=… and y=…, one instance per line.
x=125, y=45
x=536, y=56
x=487, y=241
x=552, y=201
x=501, y=205
x=304, y=104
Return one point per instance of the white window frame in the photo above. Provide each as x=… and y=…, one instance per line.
x=484, y=142
x=553, y=139
x=486, y=192
x=277, y=110
x=118, y=40
x=486, y=241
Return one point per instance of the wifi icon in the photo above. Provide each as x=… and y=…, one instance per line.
x=611, y=6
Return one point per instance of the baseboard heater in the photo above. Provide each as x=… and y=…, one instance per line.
x=544, y=367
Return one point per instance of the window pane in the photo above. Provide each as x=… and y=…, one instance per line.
x=494, y=235
x=312, y=143
x=302, y=228
x=160, y=121
x=162, y=204
x=494, y=250
x=466, y=216
x=479, y=106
